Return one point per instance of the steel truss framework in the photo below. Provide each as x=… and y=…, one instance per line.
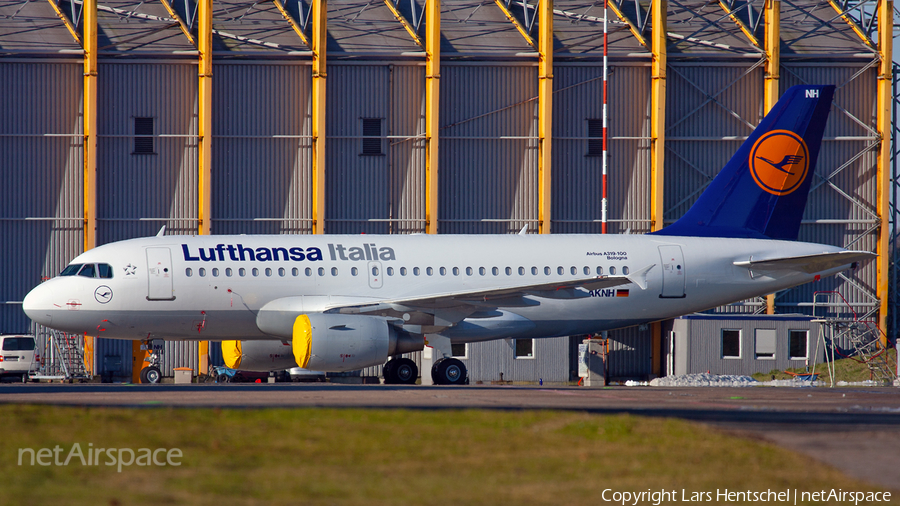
x=701, y=34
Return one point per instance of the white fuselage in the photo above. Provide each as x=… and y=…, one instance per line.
x=209, y=288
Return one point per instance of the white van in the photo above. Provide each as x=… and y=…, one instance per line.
x=16, y=355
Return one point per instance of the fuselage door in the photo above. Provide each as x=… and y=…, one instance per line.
x=159, y=274
x=673, y=272
x=375, y=275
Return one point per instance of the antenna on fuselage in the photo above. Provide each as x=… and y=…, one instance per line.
x=161, y=232
x=524, y=230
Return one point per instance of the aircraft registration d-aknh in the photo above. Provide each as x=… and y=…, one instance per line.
x=345, y=302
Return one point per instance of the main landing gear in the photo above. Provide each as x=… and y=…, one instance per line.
x=400, y=371
x=449, y=371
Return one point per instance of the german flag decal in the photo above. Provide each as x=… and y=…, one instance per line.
x=621, y=293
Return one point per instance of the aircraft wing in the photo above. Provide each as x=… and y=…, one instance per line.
x=434, y=312
x=809, y=264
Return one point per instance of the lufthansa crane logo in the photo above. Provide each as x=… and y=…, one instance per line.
x=779, y=162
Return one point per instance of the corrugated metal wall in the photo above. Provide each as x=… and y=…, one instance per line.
x=551, y=362
x=630, y=353
x=577, y=186
x=261, y=148
x=139, y=193
x=114, y=359
x=703, y=340
x=41, y=168
x=365, y=192
x=488, y=148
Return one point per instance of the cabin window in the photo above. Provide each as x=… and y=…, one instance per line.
x=521, y=271
x=268, y=271
x=354, y=271
x=482, y=271
x=731, y=343
x=612, y=271
x=599, y=270
x=546, y=270
x=495, y=271
x=416, y=271
x=202, y=272
x=188, y=272
x=765, y=343
x=798, y=342
x=625, y=271
x=443, y=271
x=560, y=270
x=242, y=272
x=573, y=270
x=403, y=271
x=456, y=271
x=281, y=271
x=534, y=271
x=587, y=270
x=524, y=348
x=295, y=272
x=469, y=271
x=255, y=272
x=390, y=271
x=429, y=271
x=228, y=271
x=334, y=271
x=509, y=271
x=308, y=271
x=143, y=136
x=215, y=271
x=321, y=271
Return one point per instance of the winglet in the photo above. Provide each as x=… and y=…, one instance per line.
x=640, y=277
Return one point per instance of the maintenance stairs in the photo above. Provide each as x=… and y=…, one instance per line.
x=63, y=358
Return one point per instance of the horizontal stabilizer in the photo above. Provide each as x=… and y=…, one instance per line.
x=809, y=264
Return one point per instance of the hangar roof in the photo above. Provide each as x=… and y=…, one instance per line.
x=470, y=29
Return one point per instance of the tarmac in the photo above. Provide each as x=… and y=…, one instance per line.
x=854, y=429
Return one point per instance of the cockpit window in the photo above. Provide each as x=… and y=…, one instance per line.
x=87, y=271
x=71, y=270
x=106, y=270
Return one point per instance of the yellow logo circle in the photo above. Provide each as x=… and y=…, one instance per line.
x=779, y=161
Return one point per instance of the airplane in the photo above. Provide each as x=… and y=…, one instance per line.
x=344, y=302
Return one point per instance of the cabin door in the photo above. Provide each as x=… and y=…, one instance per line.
x=159, y=274
x=673, y=272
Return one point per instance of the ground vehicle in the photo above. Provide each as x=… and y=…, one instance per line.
x=16, y=355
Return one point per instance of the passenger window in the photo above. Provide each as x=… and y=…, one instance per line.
x=534, y=271
x=71, y=270
x=599, y=270
x=242, y=272
x=546, y=271
x=281, y=271
x=354, y=271
x=612, y=271
x=375, y=271
x=456, y=271
x=443, y=271
x=625, y=271
x=295, y=272
x=321, y=271
x=429, y=271
x=469, y=271
x=228, y=271
x=268, y=271
x=255, y=272
x=587, y=270
x=415, y=271
x=87, y=271
x=202, y=272
x=403, y=271
x=495, y=271
x=308, y=272
x=560, y=270
x=481, y=271
x=215, y=271
x=334, y=271
x=188, y=272
x=106, y=270
x=509, y=271
x=521, y=271
x=573, y=270
x=390, y=271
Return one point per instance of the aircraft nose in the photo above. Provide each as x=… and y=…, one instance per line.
x=37, y=304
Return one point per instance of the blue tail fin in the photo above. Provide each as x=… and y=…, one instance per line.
x=762, y=191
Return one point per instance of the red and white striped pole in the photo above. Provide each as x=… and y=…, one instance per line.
x=603, y=223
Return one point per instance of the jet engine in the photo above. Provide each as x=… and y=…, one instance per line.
x=258, y=355
x=336, y=343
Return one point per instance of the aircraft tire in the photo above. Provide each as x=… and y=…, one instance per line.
x=449, y=371
x=143, y=375
x=152, y=375
x=388, y=372
x=405, y=371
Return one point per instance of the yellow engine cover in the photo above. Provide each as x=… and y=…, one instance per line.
x=231, y=353
x=302, y=340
